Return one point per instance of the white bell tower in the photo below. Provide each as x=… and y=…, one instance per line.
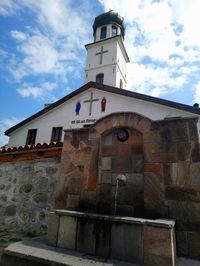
x=107, y=56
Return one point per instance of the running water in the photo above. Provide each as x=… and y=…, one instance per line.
x=116, y=192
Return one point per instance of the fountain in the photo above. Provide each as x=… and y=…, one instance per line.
x=96, y=187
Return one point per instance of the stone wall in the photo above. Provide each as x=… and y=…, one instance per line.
x=170, y=179
x=27, y=181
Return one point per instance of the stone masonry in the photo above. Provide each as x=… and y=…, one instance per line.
x=27, y=181
x=160, y=160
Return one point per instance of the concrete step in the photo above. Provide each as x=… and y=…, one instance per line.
x=36, y=252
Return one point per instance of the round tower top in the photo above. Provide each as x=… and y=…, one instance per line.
x=109, y=17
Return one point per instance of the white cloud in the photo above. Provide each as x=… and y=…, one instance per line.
x=8, y=7
x=163, y=43
x=54, y=47
x=18, y=35
x=42, y=92
x=30, y=91
x=197, y=93
x=162, y=40
x=4, y=125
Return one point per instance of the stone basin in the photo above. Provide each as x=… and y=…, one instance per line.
x=135, y=240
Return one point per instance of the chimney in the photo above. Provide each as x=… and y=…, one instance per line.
x=196, y=105
x=46, y=105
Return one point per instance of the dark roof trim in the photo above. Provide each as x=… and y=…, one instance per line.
x=111, y=89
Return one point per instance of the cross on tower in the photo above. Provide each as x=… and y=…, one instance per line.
x=101, y=54
x=90, y=101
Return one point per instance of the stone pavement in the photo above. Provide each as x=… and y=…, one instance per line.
x=39, y=252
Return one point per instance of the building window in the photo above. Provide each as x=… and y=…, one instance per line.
x=31, y=136
x=121, y=84
x=103, y=33
x=100, y=78
x=114, y=31
x=56, y=134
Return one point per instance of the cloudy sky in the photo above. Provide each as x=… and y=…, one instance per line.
x=42, y=53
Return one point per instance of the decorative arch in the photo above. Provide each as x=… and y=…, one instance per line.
x=125, y=119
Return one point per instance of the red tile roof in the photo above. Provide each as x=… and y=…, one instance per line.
x=32, y=147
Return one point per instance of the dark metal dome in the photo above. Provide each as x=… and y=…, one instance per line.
x=109, y=18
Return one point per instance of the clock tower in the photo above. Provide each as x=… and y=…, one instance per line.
x=107, y=56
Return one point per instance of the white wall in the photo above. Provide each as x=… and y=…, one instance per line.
x=113, y=65
x=65, y=116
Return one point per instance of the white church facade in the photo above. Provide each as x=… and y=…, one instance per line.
x=102, y=94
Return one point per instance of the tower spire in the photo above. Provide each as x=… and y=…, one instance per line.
x=107, y=56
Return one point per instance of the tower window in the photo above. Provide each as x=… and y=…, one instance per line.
x=31, y=136
x=114, y=31
x=56, y=134
x=100, y=78
x=103, y=33
x=121, y=84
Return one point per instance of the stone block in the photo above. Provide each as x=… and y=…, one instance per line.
x=67, y=232
x=106, y=163
x=106, y=177
x=170, y=173
x=102, y=232
x=143, y=125
x=88, y=200
x=105, y=193
x=195, y=152
x=121, y=164
x=127, y=233
x=159, y=246
x=193, y=130
x=123, y=210
x=195, y=174
x=108, y=151
x=153, y=211
x=85, y=236
x=73, y=201
x=52, y=231
x=176, y=173
x=124, y=150
x=128, y=194
x=74, y=185
x=137, y=149
x=183, y=151
x=138, y=166
x=153, y=167
x=178, y=210
x=174, y=130
x=183, y=194
x=193, y=211
x=154, y=188
x=182, y=173
x=151, y=136
x=107, y=140
x=194, y=245
x=182, y=243
x=135, y=179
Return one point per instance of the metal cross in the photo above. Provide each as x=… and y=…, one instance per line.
x=101, y=54
x=90, y=101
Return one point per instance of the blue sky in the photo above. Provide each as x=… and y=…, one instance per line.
x=42, y=53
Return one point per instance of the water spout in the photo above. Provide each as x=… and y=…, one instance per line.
x=120, y=179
